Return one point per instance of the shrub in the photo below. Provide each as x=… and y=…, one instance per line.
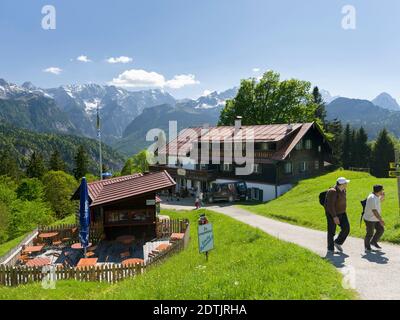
x=59, y=187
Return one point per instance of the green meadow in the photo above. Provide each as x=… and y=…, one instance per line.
x=301, y=205
x=245, y=264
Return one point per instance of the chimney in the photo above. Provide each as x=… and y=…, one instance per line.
x=238, y=123
x=289, y=128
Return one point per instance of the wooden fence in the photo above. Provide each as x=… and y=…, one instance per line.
x=111, y=273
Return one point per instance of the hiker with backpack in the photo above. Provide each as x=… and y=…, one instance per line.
x=335, y=210
x=375, y=226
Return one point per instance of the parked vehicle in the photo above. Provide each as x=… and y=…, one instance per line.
x=231, y=191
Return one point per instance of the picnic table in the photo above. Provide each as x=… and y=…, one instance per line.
x=128, y=239
x=78, y=246
x=48, y=236
x=38, y=262
x=177, y=236
x=162, y=247
x=32, y=249
x=132, y=261
x=87, y=262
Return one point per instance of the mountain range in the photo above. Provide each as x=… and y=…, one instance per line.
x=126, y=116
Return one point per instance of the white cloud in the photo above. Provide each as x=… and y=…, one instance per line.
x=137, y=78
x=256, y=70
x=181, y=80
x=206, y=93
x=121, y=59
x=83, y=59
x=53, y=70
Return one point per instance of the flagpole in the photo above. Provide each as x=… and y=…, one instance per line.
x=99, y=136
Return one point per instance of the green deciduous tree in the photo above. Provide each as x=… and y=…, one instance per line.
x=26, y=215
x=4, y=222
x=36, y=167
x=81, y=163
x=59, y=187
x=30, y=190
x=137, y=164
x=383, y=153
x=270, y=101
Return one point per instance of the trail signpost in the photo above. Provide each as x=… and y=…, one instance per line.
x=205, y=235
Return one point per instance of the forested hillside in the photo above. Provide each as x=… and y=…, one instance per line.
x=21, y=143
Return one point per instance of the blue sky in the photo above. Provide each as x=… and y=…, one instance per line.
x=203, y=45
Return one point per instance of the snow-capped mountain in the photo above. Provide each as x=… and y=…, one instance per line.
x=386, y=101
x=326, y=96
x=77, y=105
x=118, y=107
x=31, y=108
x=212, y=100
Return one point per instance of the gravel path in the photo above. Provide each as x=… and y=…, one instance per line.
x=374, y=276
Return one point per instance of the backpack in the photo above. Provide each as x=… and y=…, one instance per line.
x=322, y=198
x=363, y=205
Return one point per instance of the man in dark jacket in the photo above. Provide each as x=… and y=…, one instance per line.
x=335, y=210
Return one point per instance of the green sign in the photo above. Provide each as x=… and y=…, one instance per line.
x=206, y=238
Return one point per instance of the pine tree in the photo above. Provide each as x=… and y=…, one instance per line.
x=335, y=130
x=56, y=163
x=9, y=166
x=382, y=154
x=320, y=111
x=81, y=163
x=362, y=151
x=347, y=146
x=353, y=154
x=36, y=167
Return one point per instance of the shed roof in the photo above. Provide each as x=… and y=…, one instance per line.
x=116, y=189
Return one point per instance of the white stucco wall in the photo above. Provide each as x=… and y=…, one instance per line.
x=268, y=189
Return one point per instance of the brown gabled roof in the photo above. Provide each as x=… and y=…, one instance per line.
x=270, y=133
x=96, y=187
x=283, y=152
x=182, y=145
x=116, y=189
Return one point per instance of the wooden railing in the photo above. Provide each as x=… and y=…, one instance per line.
x=19, y=275
x=12, y=255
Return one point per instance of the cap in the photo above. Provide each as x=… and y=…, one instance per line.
x=342, y=180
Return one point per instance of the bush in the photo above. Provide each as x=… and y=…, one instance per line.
x=4, y=221
x=27, y=215
x=30, y=189
x=59, y=187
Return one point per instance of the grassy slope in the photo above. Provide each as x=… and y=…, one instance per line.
x=246, y=264
x=5, y=247
x=301, y=206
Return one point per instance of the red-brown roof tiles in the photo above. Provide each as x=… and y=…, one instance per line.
x=182, y=145
x=125, y=187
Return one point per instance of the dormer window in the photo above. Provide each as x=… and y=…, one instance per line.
x=299, y=145
x=308, y=144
